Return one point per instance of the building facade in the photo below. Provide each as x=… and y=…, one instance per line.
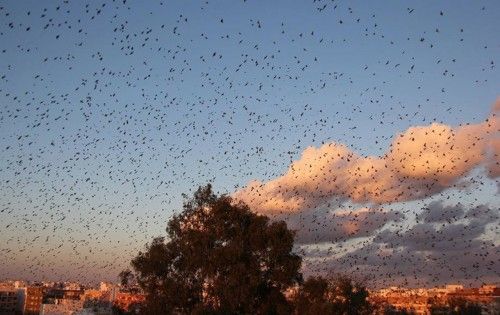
x=8, y=302
x=34, y=297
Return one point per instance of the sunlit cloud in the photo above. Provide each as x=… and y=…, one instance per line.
x=420, y=162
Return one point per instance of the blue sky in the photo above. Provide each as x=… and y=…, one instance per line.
x=214, y=98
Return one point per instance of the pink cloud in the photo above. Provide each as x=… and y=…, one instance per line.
x=421, y=161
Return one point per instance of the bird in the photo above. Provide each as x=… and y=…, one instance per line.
x=342, y=120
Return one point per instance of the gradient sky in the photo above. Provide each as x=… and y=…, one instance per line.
x=110, y=111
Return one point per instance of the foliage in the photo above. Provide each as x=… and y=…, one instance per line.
x=219, y=258
x=460, y=306
x=126, y=276
x=340, y=296
x=456, y=306
x=391, y=310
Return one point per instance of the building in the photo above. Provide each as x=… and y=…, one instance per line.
x=63, y=307
x=128, y=301
x=106, y=286
x=54, y=293
x=420, y=301
x=109, y=290
x=450, y=288
x=8, y=301
x=487, y=289
x=34, y=297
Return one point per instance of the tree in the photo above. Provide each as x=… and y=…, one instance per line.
x=391, y=310
x=339, y=295
x=126, y=276
x=312, y=297
x=349, y=297
x=456, y=306
x=219, y=258
x=460, y=306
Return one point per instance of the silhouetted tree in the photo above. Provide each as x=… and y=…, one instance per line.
x=340, y=295
x=126, y=276
x=312, y=297
x=134, y=308
x=456, y=306
x=391, y=310
x=219, y=258
x=349, y=297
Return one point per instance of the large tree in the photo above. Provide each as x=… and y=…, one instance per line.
x=219, y=257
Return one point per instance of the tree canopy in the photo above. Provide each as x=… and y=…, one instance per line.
x=218, y=258
x=338, y=296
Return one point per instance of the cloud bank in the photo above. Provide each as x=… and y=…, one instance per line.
x=420, y=162
x=324, y=225
x=435, y=250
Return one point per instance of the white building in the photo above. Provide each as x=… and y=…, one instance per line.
x=63, y=307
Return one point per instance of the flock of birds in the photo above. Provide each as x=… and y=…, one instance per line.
x=111, y=110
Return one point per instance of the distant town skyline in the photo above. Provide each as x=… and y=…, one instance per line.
x=55, y=298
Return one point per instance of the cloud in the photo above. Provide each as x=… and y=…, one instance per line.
x=420, y=162
x=324, y=225
x=424, y=254
x=436, y=211
x=383, y=266
x=494, y=161
x=482, y=214
x=435, y=235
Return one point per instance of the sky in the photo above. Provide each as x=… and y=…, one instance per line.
x=111, y=110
